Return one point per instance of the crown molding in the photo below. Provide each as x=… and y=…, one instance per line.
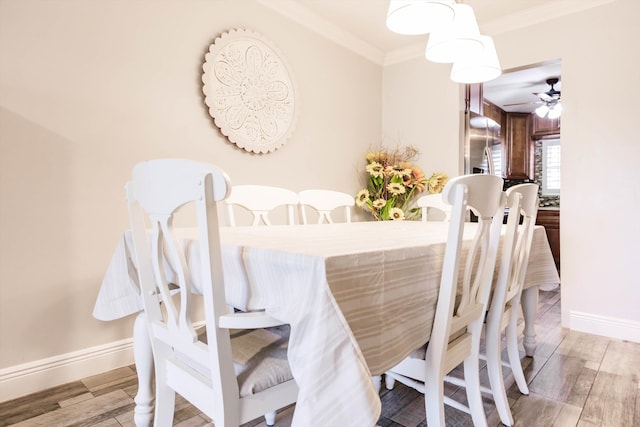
x=407, y=53
x=327, y=29
x=344, y=38
x=539, y=14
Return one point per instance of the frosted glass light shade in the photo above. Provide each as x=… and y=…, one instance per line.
x=555, y=111
x=478, y=69
x=542, y=110
x=412, y=17
x=456, y=41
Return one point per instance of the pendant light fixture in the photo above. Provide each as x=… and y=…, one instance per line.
x=413, y=17
x=456, y=41
x=480, y=68
x=454, y=36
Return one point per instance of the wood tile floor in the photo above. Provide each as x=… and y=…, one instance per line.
x=575, y=379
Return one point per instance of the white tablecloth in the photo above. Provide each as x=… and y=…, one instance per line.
x=359, y=297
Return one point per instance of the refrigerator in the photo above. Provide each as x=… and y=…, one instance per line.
x=483, y=147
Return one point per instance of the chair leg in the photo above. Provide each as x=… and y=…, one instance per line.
x=529, y=305
x=389, y=382
x=143, y=356
x=472, y=380
x=270, y=418
x=514, y=355
x=496, y=379
x=434, y=400
x=165, y=401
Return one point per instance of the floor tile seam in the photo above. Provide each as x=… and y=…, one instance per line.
x=548, y=399
x=69, y=407
x=111, y=383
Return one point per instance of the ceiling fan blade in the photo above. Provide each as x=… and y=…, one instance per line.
x=524, y=103
x=548, y=96
x=544, y=96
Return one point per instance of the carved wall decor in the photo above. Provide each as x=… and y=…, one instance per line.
x=250, y=91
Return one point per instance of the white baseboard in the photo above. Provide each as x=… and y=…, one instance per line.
x=606, y=326
x=20, y=380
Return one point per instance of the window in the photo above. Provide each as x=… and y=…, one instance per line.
x=551, y=167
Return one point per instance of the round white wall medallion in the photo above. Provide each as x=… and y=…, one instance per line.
x=249, y=90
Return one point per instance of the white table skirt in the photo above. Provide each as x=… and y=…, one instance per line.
x=359, y=297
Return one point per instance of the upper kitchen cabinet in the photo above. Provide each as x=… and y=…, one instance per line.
x=545, y=127
x=493, y=112
x=473, y=98
x=518, y=146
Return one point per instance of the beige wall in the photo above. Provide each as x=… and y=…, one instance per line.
x=600, y=150
x=600, y=194
x=423, y=107
x=89, y=88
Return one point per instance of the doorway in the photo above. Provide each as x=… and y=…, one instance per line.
x=528, y=99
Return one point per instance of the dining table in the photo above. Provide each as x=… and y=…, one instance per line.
x=359, y=298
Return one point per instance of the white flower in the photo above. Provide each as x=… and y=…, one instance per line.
x=379, y=203
x=375, y=169
x=396, y=214
x=362, y=197
x=396, y=188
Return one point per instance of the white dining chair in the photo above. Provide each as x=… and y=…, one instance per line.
x=234, y=372
x=260, y=201
x=460, y=310
x=323, y=203
x=504, y=307
x=432, y=207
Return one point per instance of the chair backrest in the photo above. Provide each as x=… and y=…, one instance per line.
x=201, y=370
x=433, y=202
x=502, y=316
x=522, y=200
x=156, y=192
x=465, y=283
x=261, y=200
x=323, y=202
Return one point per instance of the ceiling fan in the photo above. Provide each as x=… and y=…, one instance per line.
x=550, y=101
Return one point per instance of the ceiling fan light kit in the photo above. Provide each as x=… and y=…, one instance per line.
x=542, y=110
x=553, y=112
x=454, y=36
x=551, y=106
x=415, y=17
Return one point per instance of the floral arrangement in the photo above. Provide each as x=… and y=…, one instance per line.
x=393, y=183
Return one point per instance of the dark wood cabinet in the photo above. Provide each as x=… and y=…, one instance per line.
x=550, y=219
x=473, y=98
x=493, y=112
x=518, y=146
x=544, y=126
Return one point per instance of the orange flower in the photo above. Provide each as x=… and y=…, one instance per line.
x=416, y=179
x=393, y=183
x=437, y=182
